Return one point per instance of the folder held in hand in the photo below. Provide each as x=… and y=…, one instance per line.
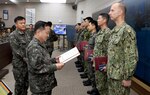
x=99, y=61
x=69, y=55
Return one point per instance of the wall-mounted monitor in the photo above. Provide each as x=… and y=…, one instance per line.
x=60, y=29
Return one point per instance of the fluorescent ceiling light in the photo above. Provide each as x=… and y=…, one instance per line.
x=53, y=1
x=14, y=1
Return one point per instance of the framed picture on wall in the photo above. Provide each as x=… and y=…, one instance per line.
x=5, y=14
x=30, y=16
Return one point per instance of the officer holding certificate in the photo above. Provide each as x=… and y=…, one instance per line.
x=41, y=68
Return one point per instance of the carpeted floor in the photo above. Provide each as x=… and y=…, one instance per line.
x=69, y=81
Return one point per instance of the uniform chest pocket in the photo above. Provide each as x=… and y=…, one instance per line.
x=99, y=39
x=45, y=57
x=22, y=43
x=116, y=39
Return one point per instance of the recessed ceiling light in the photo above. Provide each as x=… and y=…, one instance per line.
x=6, y=2
x=53, y=1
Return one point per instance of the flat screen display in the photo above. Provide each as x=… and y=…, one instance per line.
x=60, y=29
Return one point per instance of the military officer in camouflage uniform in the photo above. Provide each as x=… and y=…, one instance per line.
x=78, y=32
x=19, y=40
x=87, y=20
x=82, y=37
x=85, y=35
x=100, y=50
x=30, y=30
x=78, y=29
x=50, y=41
x=92, y=28
x=41, y=68
x=122, y=53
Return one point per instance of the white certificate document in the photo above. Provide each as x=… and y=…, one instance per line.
x=69, y=55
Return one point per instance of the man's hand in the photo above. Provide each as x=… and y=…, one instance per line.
x=57, y=59
x=126, y=83
x=59, y=66
x=104, y=69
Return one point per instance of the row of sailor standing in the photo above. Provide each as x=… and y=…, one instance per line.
x=111, y=66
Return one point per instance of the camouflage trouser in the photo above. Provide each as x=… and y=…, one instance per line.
x=101, y=82
x=115, y=88
x=82, y=56
x=44, y=93
x=90, y=73
x=85, y=64
x=21, y=80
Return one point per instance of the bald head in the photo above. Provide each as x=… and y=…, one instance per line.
x=117, y=12
x=121, y=6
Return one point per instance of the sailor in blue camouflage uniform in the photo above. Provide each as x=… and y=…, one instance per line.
x=122, y=53
x=19, y=40
x=41, y=67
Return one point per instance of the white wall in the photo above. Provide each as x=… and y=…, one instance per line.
x=46, y=12
x=56, y=12
x=91, y=6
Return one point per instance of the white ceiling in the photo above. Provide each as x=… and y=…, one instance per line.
x=22, y=1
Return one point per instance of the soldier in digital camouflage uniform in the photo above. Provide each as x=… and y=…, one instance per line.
x=80, y=36
x=122, y=53
x=87, y=20
x=50, y=41
x=100, y=50
x=19, y=39
x=85, y=35
x=31, y=30
x=40, y=67
x=92, y=28
x=78, y=31
x=83, y=31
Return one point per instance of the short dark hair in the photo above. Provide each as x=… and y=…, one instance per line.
x=30, y=24
x=40, y=25
x=88, y=18
x=106, y=16
x=49, y=23
x=78, y=24
x=94, y=22
x=19, y=18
